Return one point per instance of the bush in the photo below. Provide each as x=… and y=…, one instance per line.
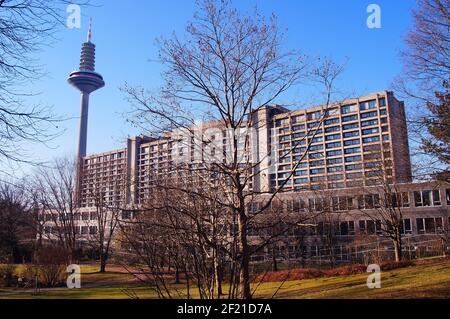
x=390, y=265
x=311, y=273
x=8, y=277
x=293, y=274
x=51, y=275
x=28, y=275
x=51, y=266
x=346, y=270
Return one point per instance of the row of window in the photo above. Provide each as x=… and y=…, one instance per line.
x=68, y=217
x=368, y=201
x=363, y=106
x=77, y=230
x=371, y=158
x=332, y=129
x=429, y=198
x=365, y=140
x=126, y=215
x=424, y=225
x=104, y=158
x=331, y=170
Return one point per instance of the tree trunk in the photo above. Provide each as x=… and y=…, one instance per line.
x=244, y=274
x=218, y=275
x=330, y=242
x=103, y=259
x=274, y=260
x=71, y=256
x=177, y=275
x=398, y=249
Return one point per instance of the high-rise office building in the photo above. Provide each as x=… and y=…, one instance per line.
x=342, y=145
x=346, y=144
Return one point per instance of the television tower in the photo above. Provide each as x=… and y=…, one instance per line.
x=86, y=80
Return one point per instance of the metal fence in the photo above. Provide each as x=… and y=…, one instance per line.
x=374, y=251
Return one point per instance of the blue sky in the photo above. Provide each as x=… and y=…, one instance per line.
x=124, y=32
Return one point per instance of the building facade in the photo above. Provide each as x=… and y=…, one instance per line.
x=351, y=224
x=326, y=156
x=349, y=142
x=342, y=145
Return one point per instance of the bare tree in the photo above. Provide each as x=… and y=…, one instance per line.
x=230, y=67
x=15, y=225
x=423, y=82
x=26, y=26
x=54, y=191
x=327, y=220
x=105, y=221
x=183, y=228
x=384, y=205
x=426, y=56
x=153, y=238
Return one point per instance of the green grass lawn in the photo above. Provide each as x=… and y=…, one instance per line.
x=429, y=279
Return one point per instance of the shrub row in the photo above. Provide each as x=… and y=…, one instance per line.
x=311, y=273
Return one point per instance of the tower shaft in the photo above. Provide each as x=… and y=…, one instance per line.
x=82, y=133
x=85, y=80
